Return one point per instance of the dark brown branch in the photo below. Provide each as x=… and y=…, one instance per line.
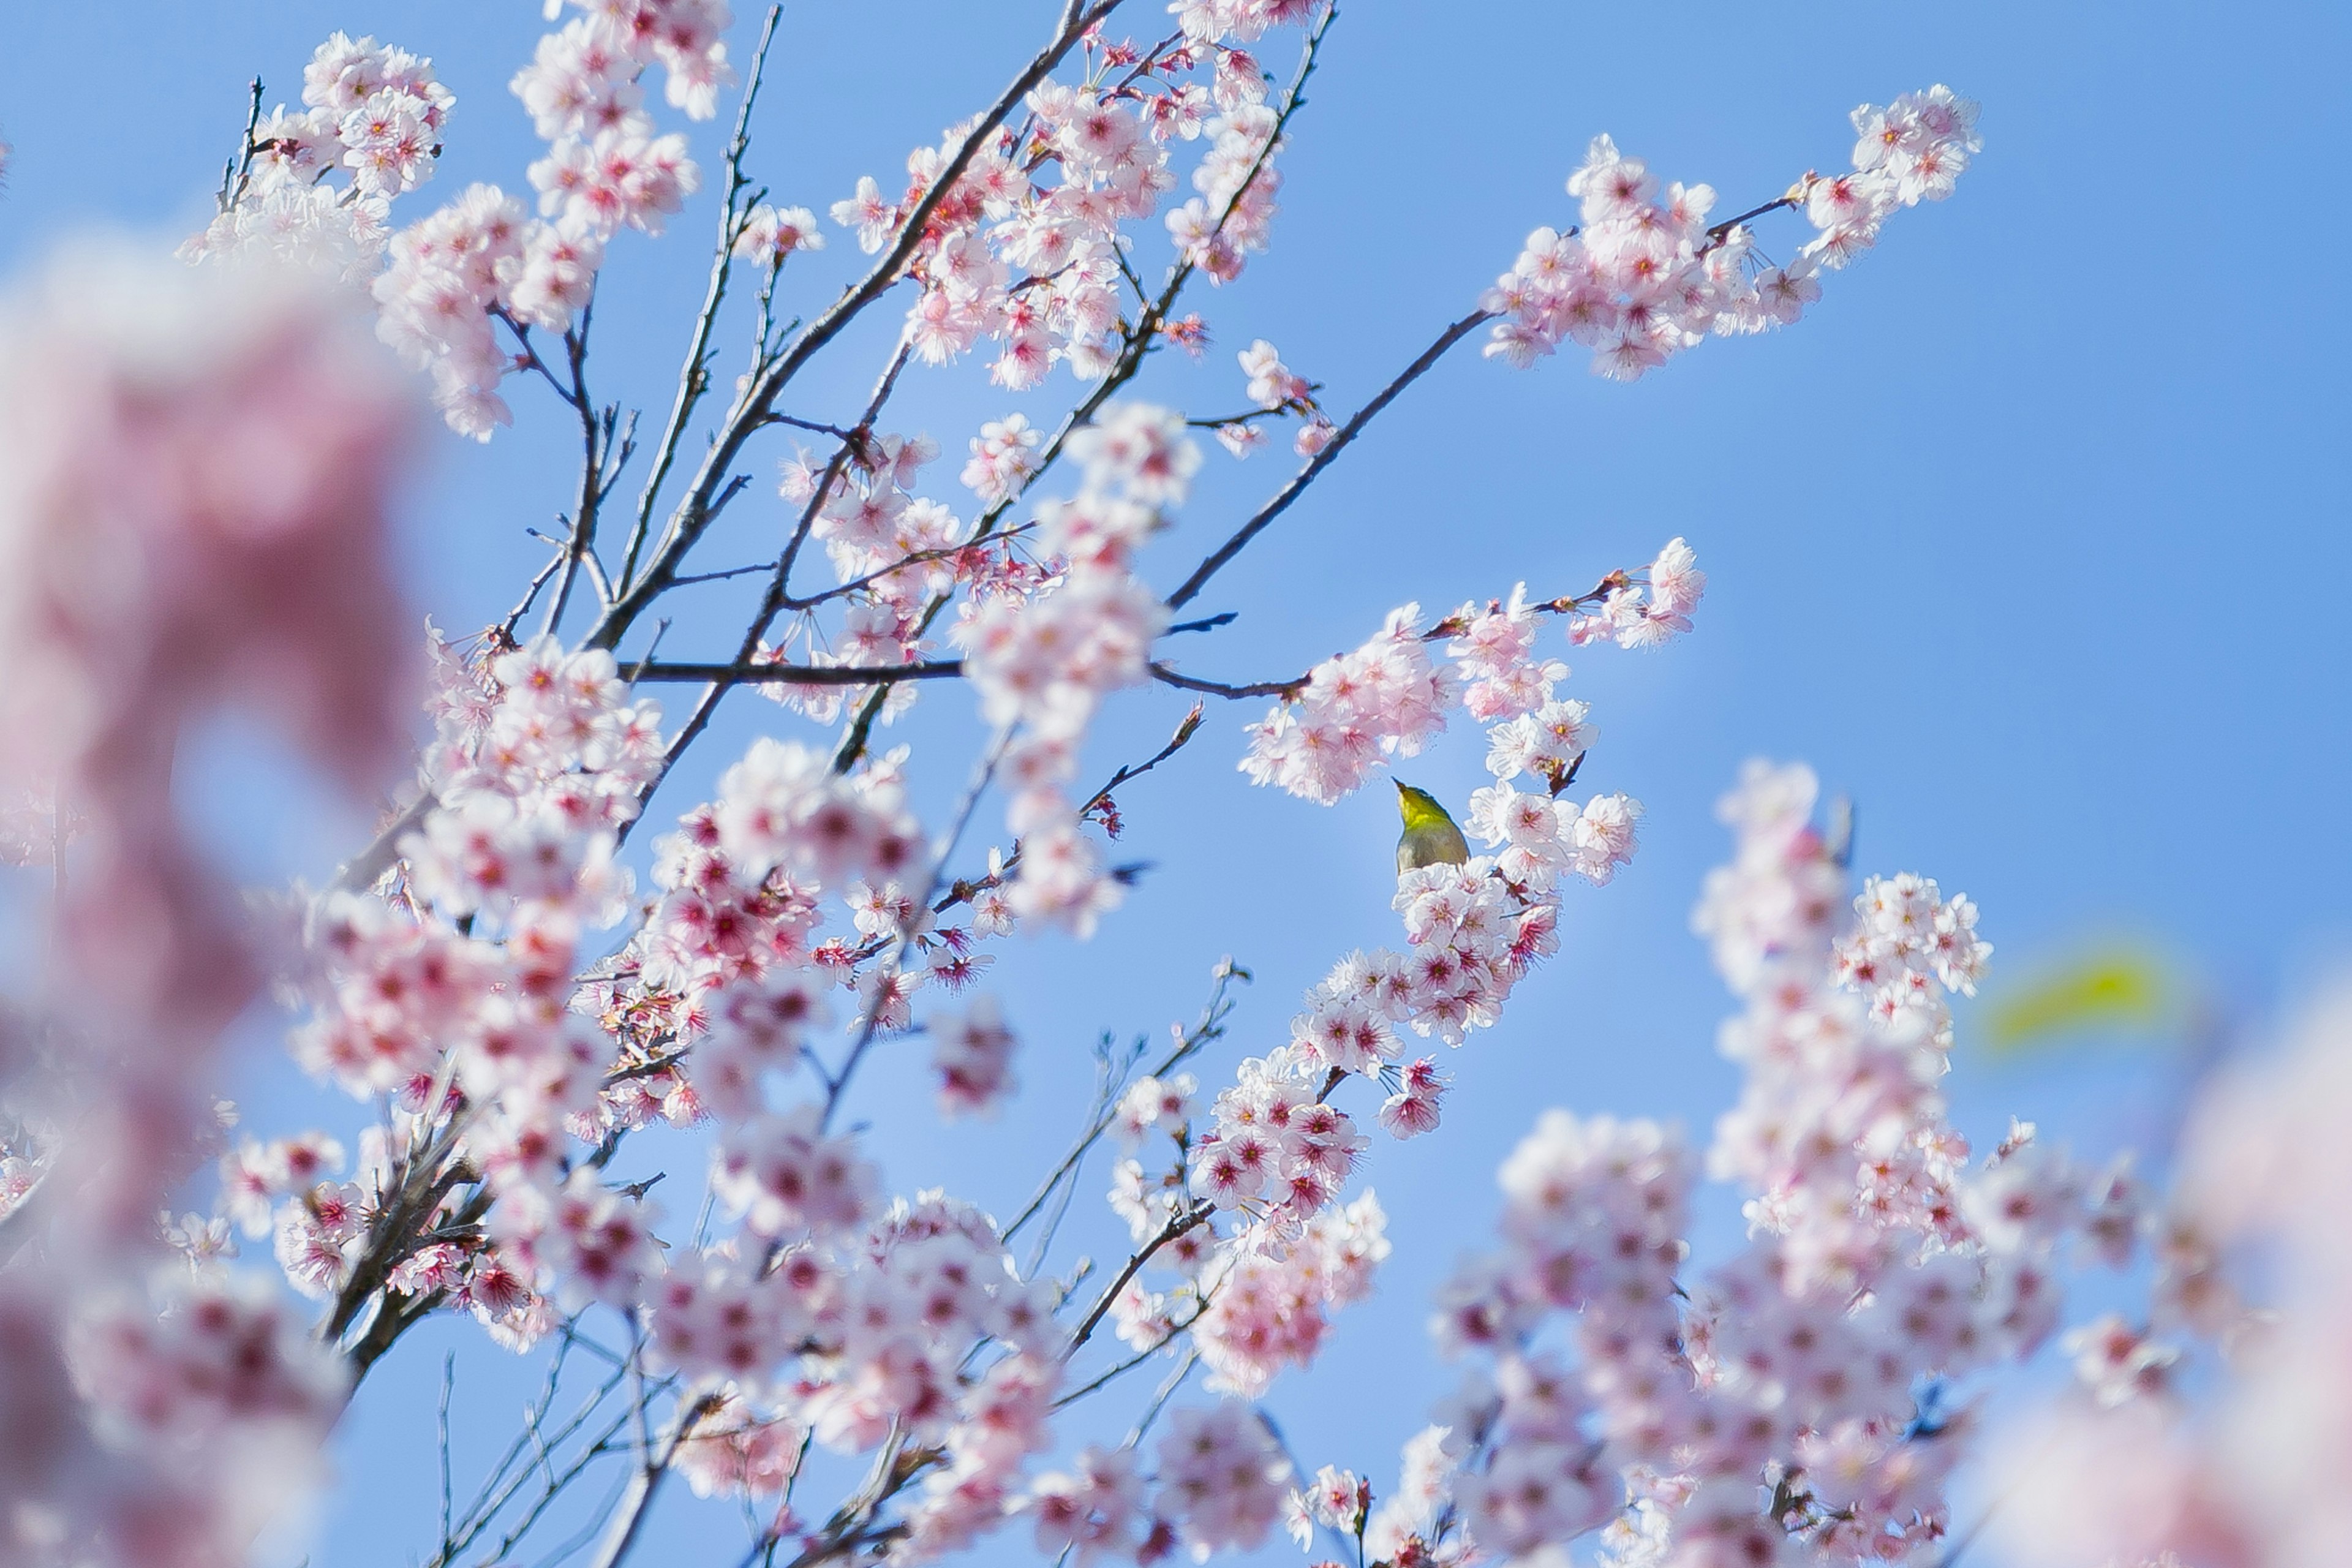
x=1723, y=230
x=596, y=438
x=754, y=673
x=1323, y=460
x=1286, y=689
x=1205, y=624
x=238, y=171
x=1189, y=1219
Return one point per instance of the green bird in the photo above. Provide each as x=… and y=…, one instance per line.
x=1430, y=836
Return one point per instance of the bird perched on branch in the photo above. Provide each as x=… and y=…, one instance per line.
x=1430, y=836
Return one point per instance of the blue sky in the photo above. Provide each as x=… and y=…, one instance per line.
x=2028, y=540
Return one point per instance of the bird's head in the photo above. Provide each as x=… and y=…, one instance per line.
x=1418, y=806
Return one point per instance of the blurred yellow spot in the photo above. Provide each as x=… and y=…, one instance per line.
x=2117, y=986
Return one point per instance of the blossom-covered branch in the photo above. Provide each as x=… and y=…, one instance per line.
x=519, y=993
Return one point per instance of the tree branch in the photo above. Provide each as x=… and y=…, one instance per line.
x=752, y=672
x=1188, y=1219
x=1323, y=460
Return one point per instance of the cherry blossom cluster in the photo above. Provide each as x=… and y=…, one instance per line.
x=894, y=552
x=782, y=808
x=1643, y=276
x=1389, y=697
x=868, y=1325
x=1910, y=948
x=1245, y=21
x=538, y=758
x=2253, y=1468
x=196, y=478
x=1275, y=1152
x=373, y=117
x=1914, y=149
x=605, y=168
x=1649, y=608
x=1043, y=660
x=256, y=1179
x=826, y=1315
x=736, y=1451
x=1765, y=1410
x=1385, y=698
x=1540, y=837
x=1004, y=457
x=770, y=234
x=716, y=928
x=192, y=506
x=726, y=981
x=376, y=114
x=972, y=1052
x=192, y=514
x=449, y=271
x=457, y=990
x=1023, y=250
x=1222, y=1478
x=1275, y=389
x=1235, y=212
x=742, y=880
x=1265, y=1309
x=1221, y=1486
x=216, y=1385
x=222, y=1353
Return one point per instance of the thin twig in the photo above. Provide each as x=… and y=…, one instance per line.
x=1723, y=229
x=1120, y=1369
x=595, y=436
x=882, y=983
x=448, y=1385
x=730, y=571
x=238, y=171
x=530, y=594
x=904, y=564
x=1210, y=1027
x=962, y=891
x=1160, y=1398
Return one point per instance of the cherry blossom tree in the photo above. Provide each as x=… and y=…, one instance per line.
x=512, y=984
